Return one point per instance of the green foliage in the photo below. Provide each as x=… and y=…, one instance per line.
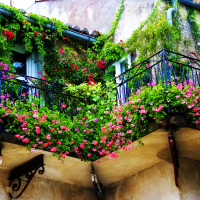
x=114, y=23
x=100, y=127
x=194, y=27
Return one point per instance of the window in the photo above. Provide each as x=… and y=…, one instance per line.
x=122, y=66
x=19, y=62
x=30, y=66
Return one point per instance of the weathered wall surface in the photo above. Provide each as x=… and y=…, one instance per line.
x=157, y=183
x=43, y=189
x=97, y=15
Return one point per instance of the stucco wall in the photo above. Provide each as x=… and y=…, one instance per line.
x=157, y=183
x=97, y=15
x=43, y=189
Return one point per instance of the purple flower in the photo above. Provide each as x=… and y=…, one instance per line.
x=95, y=119
x=198, y=43
x=86, y=125
x=76, y=129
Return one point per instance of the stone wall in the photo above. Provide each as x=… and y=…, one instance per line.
x=97, y=15
x=157, y=183
x=43, y=189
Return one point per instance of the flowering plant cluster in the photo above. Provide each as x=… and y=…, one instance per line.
x=100, y=127
x=9, y=34
x=101, y=64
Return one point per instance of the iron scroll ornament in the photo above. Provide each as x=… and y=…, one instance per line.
x=28, y=170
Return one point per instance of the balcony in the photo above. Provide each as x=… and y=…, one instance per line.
x=165, y=68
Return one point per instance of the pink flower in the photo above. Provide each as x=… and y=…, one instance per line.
x=90, y=61
x=63, y=127
x=63, y=155
x=143, y=111
x=89, y=155
x=52, y=129
x=48, y=137
x=191, y=105
x=94, y=143
x=179, y=86
x=154, y=83
x=54, y=149
x=126, y=49
x=33, y=150
x=82, y=146
x=60, y=131
x=46, y=144
x=128, y=148
x=59, y=143
x=110, y=143
x=63, y=105
x=129, y=131
x=26, y=140
x=76, y=148
x=85, y=141
x=178, y=96
x=138, y=100
x=84, y=69
x=41, y=142
x=24, y=129
x=37, y=131
x=142, y=106
x=17, y=136
x=6, y=67
x=24, y=125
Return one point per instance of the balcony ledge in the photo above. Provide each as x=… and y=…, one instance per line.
x=74, y=171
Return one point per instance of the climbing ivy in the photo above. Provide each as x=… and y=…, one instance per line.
x=191, y=13
x=153, y=34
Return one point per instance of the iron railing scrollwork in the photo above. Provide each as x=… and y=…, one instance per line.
x=17, y=87
x=164, y=67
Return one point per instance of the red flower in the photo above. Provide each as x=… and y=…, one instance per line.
x=72, y=65
x=35, y=33
x=61, y=50
x=76, y=68
x=101, y=64
x=91, y=76
x=9, y=34
x=91, y=82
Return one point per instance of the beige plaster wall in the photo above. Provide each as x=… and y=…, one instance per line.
x=44, y=189
x=157, y=183
x=97, y=14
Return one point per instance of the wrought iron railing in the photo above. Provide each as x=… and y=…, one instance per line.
x=164, y=67
x=21, y=88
